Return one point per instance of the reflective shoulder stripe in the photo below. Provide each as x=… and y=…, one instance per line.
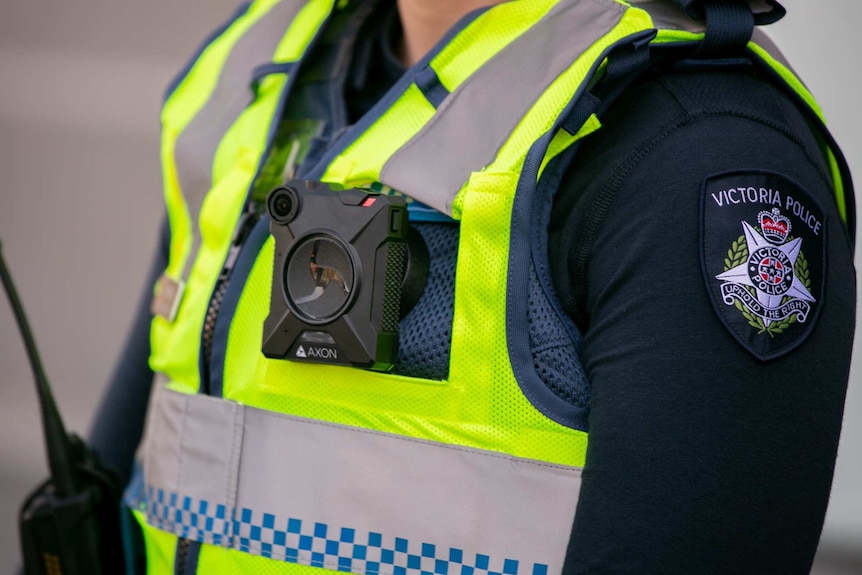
x=223, y=473
x=505, y=87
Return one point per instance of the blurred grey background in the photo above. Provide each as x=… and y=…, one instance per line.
x=80, y=202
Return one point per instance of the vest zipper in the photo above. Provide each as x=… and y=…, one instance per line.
x=182, y=556
x=245, y=225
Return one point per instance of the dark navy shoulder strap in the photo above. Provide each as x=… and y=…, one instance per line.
x=730, y=23
x=764, y=11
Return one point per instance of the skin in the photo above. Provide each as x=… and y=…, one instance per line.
x=426, y=21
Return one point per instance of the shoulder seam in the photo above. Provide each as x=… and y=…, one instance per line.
x=596, y=211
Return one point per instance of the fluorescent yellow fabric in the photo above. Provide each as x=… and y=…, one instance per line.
x=161, y=546
x=187, y=99
x=480, y=405
x=220, y=561
x=176, y=345
x=562, y=140
x=302, y=30
x=361, y=163
x=485, y=37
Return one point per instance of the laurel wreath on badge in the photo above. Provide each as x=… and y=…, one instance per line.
x=737, y=255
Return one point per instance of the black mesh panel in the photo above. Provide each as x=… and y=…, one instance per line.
x=555, y=355
x=424, y=334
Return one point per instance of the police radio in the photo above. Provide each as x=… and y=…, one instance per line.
x=347, y=268
x=70, y=524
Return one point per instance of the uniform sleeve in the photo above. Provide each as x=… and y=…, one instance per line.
x=702, y=457
x=119, y=421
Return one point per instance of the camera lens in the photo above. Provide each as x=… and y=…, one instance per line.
x=282, y=204
x=319, y=278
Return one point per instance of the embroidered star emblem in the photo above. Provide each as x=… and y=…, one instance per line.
x=769, y=270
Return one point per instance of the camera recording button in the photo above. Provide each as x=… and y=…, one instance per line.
x=397, y=222
x=353, y=197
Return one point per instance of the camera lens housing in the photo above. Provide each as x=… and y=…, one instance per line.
x=339, y=262
x=316, y=262
x=282, y=204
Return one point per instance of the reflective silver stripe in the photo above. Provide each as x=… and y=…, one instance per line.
x=159, y=380
x=287, y=487
x=196, y=146
x=467, y=133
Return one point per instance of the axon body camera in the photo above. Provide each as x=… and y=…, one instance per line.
x=340, y=261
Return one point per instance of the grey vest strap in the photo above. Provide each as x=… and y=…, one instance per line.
x=506, y=87
x=346, y=498
x=466, y=134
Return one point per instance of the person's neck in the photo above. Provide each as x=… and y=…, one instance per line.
x=426, y=21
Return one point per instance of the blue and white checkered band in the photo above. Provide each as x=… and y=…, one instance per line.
x=345, y=498
x=317, y=544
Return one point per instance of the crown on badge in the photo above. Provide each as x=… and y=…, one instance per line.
x=774, y=226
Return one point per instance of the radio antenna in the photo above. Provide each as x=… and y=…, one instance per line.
x=60, y=457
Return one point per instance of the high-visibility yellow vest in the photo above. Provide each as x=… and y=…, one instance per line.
x=301, y=466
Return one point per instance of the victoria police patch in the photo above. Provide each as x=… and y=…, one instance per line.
x=763, y=241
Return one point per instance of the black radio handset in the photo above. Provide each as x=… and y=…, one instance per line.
x=70, y=524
